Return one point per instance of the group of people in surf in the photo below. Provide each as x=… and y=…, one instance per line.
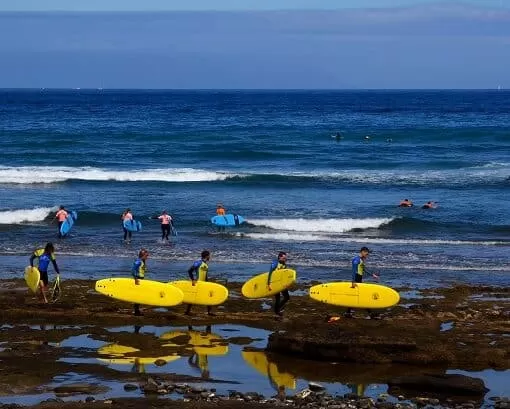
x=409, y=203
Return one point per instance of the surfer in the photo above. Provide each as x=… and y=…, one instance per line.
x=429, y=205
x=44, y=257
x=166, y=224
x=126, y=215
x=61, y=216
x=201, y=269
x=278, y=264
x=406, y=203
x=358, y=269
x=139, y=269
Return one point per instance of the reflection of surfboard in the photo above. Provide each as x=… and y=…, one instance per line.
x=200, y=342
x=256, y=287
x=363, y=296
x=32, y=277
x=229, y=220
x=132, y=225
x=147, y=292
x=202, y=293
x=116, y=354
x=258, y=360
x=68, y=223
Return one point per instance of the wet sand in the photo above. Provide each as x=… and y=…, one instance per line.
x=463, y=327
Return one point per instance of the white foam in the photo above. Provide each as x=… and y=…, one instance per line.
x=25, y=215
x=55, y=174
x=321, y=225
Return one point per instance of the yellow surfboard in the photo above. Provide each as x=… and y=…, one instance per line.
x=116, y=356
x=258, y=360
x=32, y=277
x=363, y=296
x=200, y=342
x=256, y=287
x=147, y=292
x=202, y=293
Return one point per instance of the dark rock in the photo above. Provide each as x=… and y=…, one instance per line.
x=90, y=399
x=315, y=387
x=448, y=385
x=130, y=387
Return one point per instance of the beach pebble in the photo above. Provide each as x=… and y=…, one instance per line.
x=315, y=387
x=130, y=387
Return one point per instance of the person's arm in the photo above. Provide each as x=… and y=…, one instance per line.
x=136, y=271
x=355, y=264
x=274, y=264
x=55, y=266
x=32, y=258
x=193, y=268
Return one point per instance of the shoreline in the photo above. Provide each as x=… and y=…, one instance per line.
x=457, y=327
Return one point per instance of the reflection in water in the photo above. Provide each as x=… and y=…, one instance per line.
x=202, y=345
x=278, y=380
x=357, y=388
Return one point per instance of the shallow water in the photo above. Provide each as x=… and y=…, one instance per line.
x=230, y=353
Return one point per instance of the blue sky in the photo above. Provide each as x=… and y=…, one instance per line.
x=425, y=45
x=119, y=5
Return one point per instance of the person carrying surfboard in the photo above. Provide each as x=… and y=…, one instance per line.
x=126, y=215
x=44, y=257
x=139, y=269
x=61, y=216
x=220, y=210
x=278, y=264
x=201, y=269
x=358, y=269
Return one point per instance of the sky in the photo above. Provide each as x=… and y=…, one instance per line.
x=148, y=5
x=400, y=44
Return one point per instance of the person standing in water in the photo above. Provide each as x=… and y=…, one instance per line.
x=220, y=210
x=201, y=269
x=61, y=217
x=44, y=257
x=126, y=215
x=167, y=223
x=139, y=269
x=278, y=264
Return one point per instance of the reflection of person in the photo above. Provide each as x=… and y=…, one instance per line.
x=357, y=388
x=61, y=216
x=127, y=215
x=138, y=367
x=278, y=264
x=358, y=269
x=139, y=269
x=406, y=203
x=44, y=257
x=201, y=269
x=200, y=361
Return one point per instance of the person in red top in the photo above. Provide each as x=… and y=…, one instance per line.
x=166, y=224
x=61, y=216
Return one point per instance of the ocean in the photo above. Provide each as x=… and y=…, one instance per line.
x=272, y=157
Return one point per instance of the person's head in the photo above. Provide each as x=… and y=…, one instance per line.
x=61, y=207
x=282, y=257
x=219, y=206
x=143, y=254
x=49, y=248
x=364, y=252
x=206, y=255
x=163, y=212
x=406, y=200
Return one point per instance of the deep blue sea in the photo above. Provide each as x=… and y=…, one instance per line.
x=271, y=157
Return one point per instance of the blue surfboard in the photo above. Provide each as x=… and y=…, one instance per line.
x=229, y=220
x=132, y=225
x=68, y=223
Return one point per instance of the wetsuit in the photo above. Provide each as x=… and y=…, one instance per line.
x=44, y=260
x=278, y=302
x=358, y=269
x=138, y=271
x=201, y=269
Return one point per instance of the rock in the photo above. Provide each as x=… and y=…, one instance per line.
x=448, y=385
x=315, y=387
x=151, y=381
x=384, y=405
x=108, y=402
x=130, y=387
x=80, y=388
x=303, y=394
x=90, y=399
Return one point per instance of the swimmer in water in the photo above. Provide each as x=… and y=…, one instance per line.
x=406, y=203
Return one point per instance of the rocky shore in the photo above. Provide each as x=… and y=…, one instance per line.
x=409, y=348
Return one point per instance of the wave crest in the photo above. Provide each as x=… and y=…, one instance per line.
x=25, y=215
